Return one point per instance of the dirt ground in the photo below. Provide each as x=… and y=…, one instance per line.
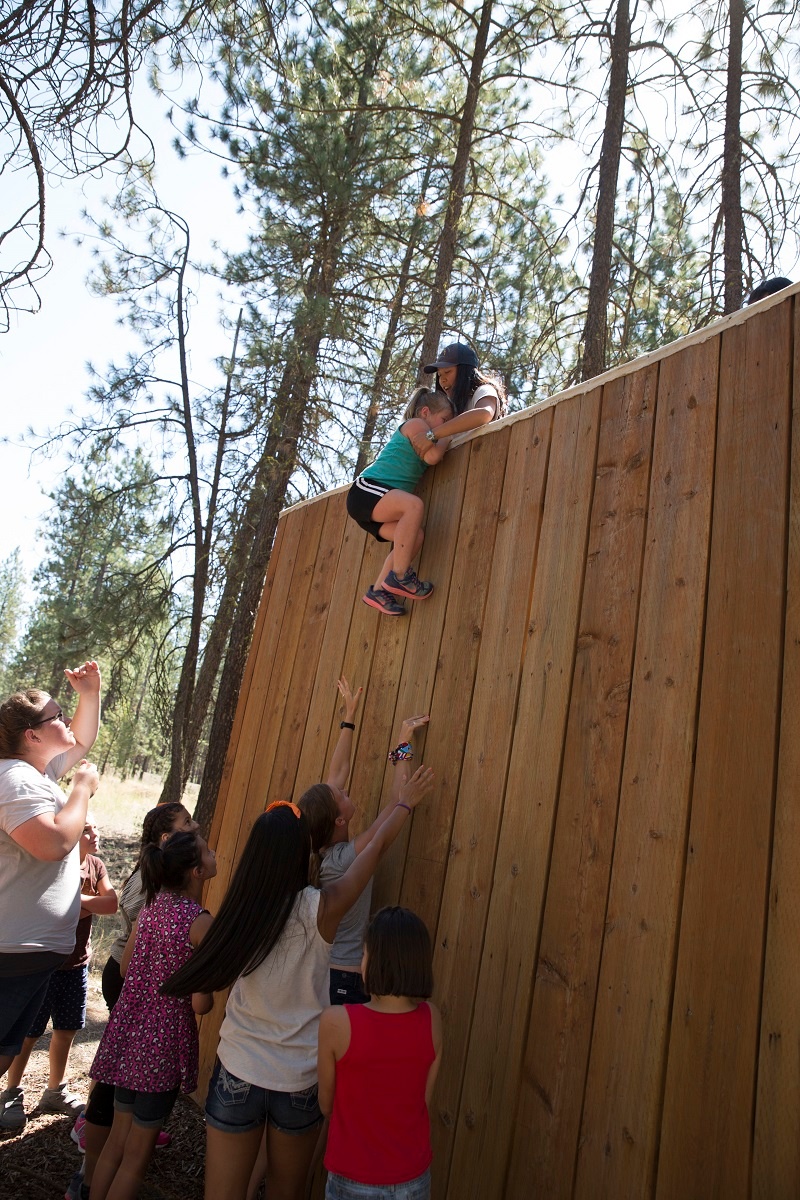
x=37, y=1163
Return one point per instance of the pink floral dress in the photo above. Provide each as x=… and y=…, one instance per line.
x=150, y=1042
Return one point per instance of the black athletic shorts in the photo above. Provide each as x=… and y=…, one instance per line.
x=361, y=499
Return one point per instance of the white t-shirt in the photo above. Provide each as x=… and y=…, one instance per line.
x=40, y=901
x=269, y=1035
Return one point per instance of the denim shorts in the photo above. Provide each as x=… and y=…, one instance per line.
x=339, y=1188
x=21, y=998
x=64, y=1003
x=149, y=1109
x=235, y=1106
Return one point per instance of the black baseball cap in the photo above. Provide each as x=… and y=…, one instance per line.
x=453, y=356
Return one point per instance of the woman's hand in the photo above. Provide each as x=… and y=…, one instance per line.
x=86, y=679
x=351, y=699
x=417, y=787
x=410, y=726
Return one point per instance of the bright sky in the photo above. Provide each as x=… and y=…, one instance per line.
x=43, y=357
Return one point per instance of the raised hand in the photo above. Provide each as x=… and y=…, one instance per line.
x=417, y=787
x=411, y=725
x=351, y=699
x=85, y=679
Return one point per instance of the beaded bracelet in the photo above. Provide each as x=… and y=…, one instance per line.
x=346, y=725
x=403, y=751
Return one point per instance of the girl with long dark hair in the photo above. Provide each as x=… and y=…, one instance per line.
x=477, y=396
x=271, y=940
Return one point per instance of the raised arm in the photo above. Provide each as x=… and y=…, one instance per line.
x=407, y=730
x=339, y=770
x=50, y=836
x=85, y=725
x=340, y=896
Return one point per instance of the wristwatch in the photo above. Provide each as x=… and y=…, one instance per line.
x=431, y=436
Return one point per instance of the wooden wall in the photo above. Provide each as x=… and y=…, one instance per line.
x=609, y=865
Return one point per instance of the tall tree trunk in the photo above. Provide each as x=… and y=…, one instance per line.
x=455, y=203
x=595, y=329
x=376, y=391
x=277, y=463
x=732, y=163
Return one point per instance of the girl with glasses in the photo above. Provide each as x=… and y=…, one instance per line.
x=40, y=828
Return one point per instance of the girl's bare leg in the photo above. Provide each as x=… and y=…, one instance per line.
x=400, y=515
x=259, y=1170
x=111, y=1156
x=139, y=1146
x=289, y=1157
x=230, y=1158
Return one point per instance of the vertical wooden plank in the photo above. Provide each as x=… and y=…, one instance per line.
x=321, y=727
x=306, y=656
x=500, y=1021
x=269, y=731
x=429, y=842
x=707, y=1132
x=776, y=1160
x=622, y=1112
x=411, y=693
x=467, y=887
x=240, y=762
x=564, y=993
x=247, y=683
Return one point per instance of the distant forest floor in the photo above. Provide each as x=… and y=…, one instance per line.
x=37, y=1163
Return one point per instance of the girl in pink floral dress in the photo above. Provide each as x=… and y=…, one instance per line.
x=149, y=1050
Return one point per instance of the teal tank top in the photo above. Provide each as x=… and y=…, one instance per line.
x=397, y=464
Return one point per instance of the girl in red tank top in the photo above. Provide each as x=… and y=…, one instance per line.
x=377, y=1065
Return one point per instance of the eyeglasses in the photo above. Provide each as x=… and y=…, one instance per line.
x=283, y=804
x=57, y=716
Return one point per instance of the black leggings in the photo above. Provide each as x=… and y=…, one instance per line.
x=100, y=1107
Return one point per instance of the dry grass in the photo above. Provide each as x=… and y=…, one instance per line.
x=37, y=1163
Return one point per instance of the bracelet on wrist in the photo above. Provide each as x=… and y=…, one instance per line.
x=401, y=752
x=346, y=725
x=401, y=805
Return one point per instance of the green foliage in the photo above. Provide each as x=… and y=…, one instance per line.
x=101, y=592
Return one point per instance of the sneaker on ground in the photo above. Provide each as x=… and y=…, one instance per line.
x=380, y=599
x=409, y=585
x=77, y=1134
x=163, y=1140
x=76, y=1188
x=12, y=1109
x=60, y=1100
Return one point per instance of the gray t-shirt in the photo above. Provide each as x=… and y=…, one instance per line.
x=40, y=901
x=348, y=946
x=131, y=903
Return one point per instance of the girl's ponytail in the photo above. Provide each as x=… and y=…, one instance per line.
x=169, y=865
x=318, y=804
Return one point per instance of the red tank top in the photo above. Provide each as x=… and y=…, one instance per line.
x=380, y=1130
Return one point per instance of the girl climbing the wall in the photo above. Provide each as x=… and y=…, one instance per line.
x=149, y=1050
x=377, y=1064
x=382, y=500
x=272, y=940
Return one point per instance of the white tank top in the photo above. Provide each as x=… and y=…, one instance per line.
x=269, y=1034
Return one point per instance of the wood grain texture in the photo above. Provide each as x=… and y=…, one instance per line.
x=776, y=1157
x=566, y=975
x=467, y=887
x=499, y=1025
x=429, y=843
x=707, y=1129
x=622, y=1108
